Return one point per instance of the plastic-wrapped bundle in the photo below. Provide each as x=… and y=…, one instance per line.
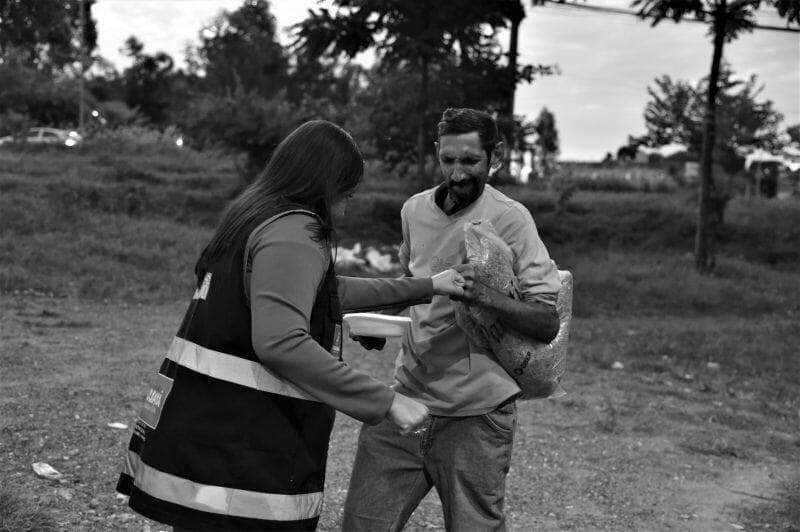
x=535, y=366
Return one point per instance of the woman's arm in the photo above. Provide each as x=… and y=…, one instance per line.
x=287, y=270
x=362, y=294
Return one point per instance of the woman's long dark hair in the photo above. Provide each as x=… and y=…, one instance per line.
x=316, y=165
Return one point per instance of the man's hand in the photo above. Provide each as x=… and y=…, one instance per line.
x=408, y=414
x=448, y=283
x=534, y=319
x=472, y=289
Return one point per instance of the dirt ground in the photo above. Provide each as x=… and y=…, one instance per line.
x=660, y=444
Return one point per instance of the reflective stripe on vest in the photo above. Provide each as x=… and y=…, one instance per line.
x=225, y=501
x=231, y=369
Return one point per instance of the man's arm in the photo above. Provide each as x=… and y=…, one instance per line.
x=531, y=318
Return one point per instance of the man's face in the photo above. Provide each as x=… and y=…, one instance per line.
x=465, y=166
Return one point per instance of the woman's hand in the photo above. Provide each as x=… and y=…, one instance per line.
x=408, y=414
x=470, y=289
x=448, y=283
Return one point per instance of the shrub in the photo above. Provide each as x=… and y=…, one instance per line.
x=598, y=177
x=115, y=114
x=14, y=123
x=134, y=139
x=240, y=122
x=384, y=177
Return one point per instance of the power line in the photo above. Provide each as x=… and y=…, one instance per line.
x=619, y=11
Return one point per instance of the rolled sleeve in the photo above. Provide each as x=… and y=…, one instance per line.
x=536, y=272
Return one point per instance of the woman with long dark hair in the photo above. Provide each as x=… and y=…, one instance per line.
x=235, y=427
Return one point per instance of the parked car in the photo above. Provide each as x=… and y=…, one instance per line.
x=46, y=136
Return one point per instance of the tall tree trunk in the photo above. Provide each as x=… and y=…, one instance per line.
x=422, y=111
x=704, y=238
x=515, y=18
x=513, y=58
x=82, y=56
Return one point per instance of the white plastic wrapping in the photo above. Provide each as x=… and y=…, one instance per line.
x=535, y=366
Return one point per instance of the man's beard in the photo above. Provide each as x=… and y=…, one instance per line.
x=465, y=193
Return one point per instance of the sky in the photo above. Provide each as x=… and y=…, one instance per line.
x=607, y=61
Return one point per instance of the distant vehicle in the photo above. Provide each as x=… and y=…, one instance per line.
x=46, y=136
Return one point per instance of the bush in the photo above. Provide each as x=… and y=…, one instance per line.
x=605, y=184
x=14, y=123
x=372, y=218
x=35, y=93
x=384, y=177
x=598, y=177
x=117, y=114
x=240, y=122
x=135, y=139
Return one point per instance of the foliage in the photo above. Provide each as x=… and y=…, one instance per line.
x=134, y=138
x=421, y=42
x=676, y=108
x=241, y=48
x=242, y=122
x=726, y=23
x=250, y=97
x=390, y=99
x=400, y=32
x=46, y=30
x=116, y=113
x=35, y=93
x=150, y=83
x=13, y=123
x=546, y=141
x=740, y=17
x=794, y=133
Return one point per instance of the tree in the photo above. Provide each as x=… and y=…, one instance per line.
x=149, y=81
x=240, y=48
x=513, y=11
x=32, y=96
x=794, y=133
x=389, y=101
x=675, y=114
x=727, y=21
x=241, y=122
x=406, y=36
x=247, y=123
x=546, y=141
x=48, y=31
x=667, y=114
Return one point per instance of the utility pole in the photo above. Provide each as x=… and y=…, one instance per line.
x=82, y=56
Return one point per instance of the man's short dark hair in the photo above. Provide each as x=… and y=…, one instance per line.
x=456, y=121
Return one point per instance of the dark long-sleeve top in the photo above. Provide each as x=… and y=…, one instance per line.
x=287, y=269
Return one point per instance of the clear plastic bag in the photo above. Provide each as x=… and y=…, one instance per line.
x=535, y=366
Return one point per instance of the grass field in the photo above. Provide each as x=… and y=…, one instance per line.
x=699, y=430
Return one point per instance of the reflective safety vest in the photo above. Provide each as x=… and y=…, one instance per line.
x=222, y=442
